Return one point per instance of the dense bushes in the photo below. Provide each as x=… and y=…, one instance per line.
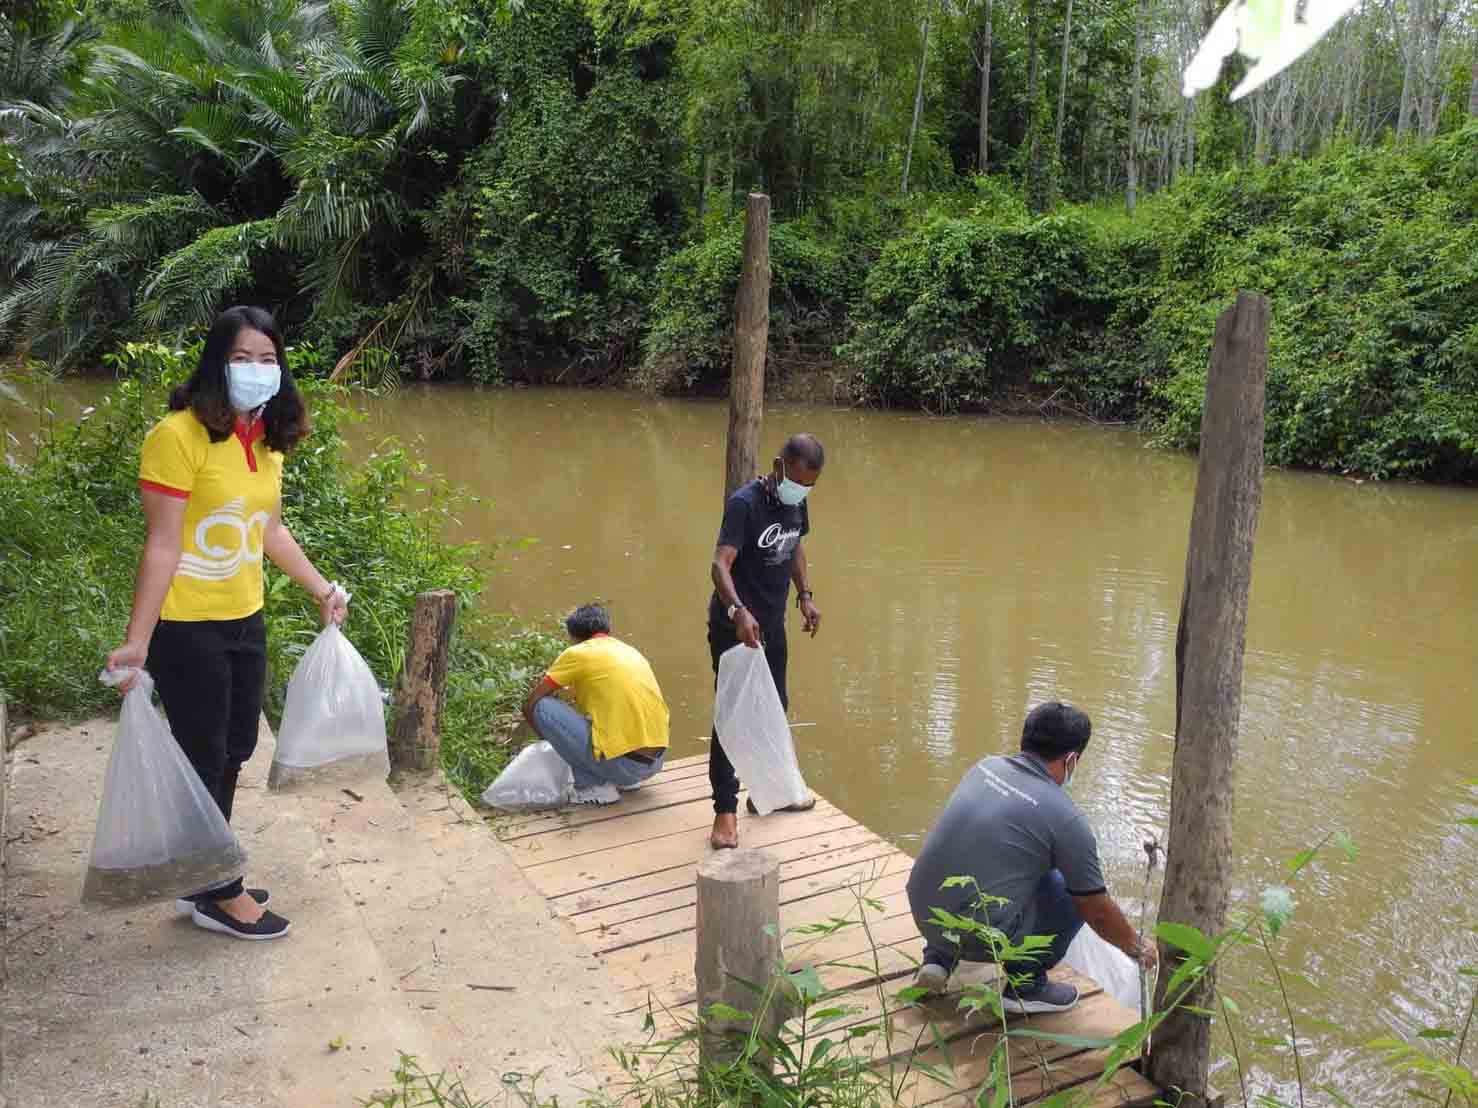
x=966, y=307
x=560, y=219
x=690, y=337
x=71, y=530
x=1370, y=260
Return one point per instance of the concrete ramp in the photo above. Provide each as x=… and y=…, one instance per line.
x=413, y=931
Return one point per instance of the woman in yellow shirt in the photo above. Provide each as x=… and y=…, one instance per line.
x=210, y=479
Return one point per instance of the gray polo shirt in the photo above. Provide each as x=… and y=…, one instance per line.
x=1006, y=825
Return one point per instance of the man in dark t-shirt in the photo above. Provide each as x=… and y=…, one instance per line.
x=757, y=557
x=1012, y=827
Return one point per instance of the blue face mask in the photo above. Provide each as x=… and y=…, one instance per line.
x=252, y=384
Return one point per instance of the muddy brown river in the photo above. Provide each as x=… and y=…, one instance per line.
x=969, y=568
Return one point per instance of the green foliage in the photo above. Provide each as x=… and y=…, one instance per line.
x=690, y=341
x=1370, y=260
x=561, y=217
x=964, y=307
x=71, y=532
x=199, y=151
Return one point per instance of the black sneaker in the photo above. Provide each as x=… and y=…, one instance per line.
x=185, y=905
x=1051, y=996
x=208, y=915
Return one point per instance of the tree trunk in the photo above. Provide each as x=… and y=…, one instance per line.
x=1067, y=37
x=1209, y=646
x=420, y=696
x=1410, y=46
x=1435, y=23
x=918, y=99
x=1034, y=198
x=1131, y=163
x=986, y=44
x=1473, y=93
x=751, y=343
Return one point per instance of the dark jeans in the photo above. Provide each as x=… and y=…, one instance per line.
x=212, y=676
x=1050, y=912
x=721, y=637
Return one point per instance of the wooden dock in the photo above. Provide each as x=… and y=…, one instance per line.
x=624, y=877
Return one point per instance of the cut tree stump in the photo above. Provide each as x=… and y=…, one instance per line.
x=738, y=941
x=420, y=695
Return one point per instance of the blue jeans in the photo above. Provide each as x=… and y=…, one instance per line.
x=569, y=733
x=1050, y=911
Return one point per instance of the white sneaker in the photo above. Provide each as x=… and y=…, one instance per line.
x=630, y=788
x=931, y=978
x=602, y=794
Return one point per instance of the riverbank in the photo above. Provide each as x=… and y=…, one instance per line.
x=413, y=931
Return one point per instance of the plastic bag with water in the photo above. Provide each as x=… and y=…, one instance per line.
x=333, y=723
x=751, y=725
x=159, y=833
x=1107, y=964
x=537, y=778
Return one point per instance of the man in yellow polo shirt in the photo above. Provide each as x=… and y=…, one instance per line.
x=618, y=736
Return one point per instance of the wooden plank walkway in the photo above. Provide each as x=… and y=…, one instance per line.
x=624, y=877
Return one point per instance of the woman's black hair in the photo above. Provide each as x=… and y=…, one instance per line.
x=206, y=393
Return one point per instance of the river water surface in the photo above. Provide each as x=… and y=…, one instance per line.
x=967, y=569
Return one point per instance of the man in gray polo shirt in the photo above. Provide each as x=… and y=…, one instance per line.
x=1012, y=827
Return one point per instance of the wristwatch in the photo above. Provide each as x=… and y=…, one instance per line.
x=802, y=594
x=735, y=608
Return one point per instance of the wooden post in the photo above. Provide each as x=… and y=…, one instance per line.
x=420, y=695
x=1209, y=646
x=751, y=341
x=738, y=949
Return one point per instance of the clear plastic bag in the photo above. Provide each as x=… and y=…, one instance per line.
x=751, y=724
x=333, y=724
x=1108, y=965
x=537, y=778
x=159, y=833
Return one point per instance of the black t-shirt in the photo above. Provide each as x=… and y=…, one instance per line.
x=766, y=533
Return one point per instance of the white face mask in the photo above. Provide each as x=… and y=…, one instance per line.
x=1069, y=770
x=252, y=384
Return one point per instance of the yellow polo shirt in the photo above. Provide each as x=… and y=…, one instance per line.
x=230, y=489
x=615, y=686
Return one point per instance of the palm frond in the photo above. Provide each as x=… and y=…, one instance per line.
x=189, y=285
x=147, y=229
x=325, y=211
x=223, y=129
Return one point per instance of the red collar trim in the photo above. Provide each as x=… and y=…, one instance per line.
x=601, y=635
x=247, y=434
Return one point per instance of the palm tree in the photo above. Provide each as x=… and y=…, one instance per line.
x=196, y=150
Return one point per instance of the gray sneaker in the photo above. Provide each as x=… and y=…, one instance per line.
x=597, y=795
x=1053, y=996
x=932, y=978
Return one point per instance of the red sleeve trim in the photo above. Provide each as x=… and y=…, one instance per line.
x=553, y=682
x=155, y=486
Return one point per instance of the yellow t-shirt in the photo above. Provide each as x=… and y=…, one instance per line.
x=231, y=489
x=615, y=686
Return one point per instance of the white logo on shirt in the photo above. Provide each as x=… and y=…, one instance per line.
x=772, y=535
x=220, y=563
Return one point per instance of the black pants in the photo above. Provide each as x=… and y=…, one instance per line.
x=721, y=637
x=212, y=676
